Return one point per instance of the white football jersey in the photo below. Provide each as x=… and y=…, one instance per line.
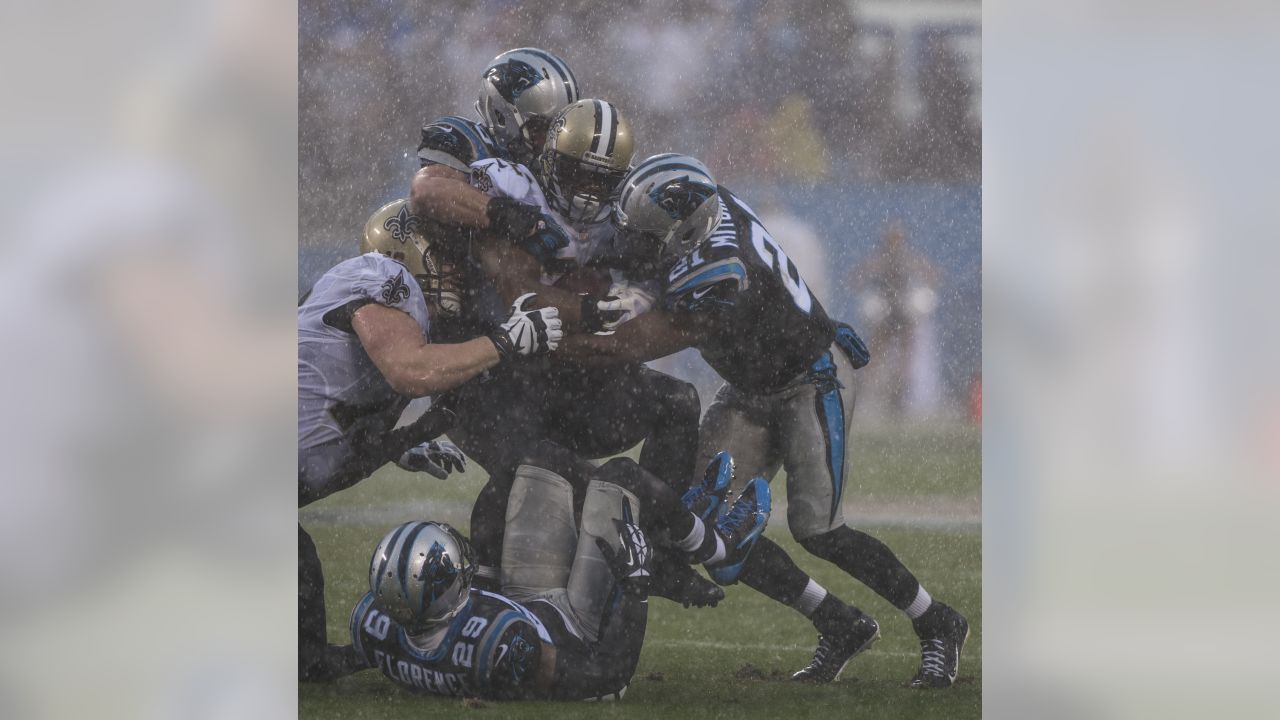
x=501, y=178
x=339, y=387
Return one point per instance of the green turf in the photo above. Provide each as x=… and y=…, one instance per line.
x=731, y=661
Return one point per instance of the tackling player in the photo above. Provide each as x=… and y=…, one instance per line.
x=732, y=293
x=541, y=230
x=570, y=621
x=364, y=350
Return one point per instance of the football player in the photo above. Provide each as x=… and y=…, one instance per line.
x=569, y=623
x=732, y=293
x=596, y=413
x=365, y=350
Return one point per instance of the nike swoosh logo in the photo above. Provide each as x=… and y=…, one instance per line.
x=520, y=337
x=699, y=293
x=502, y=652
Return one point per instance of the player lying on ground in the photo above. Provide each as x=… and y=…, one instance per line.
x=569, y=623
x=364, y=350
x=539, y=232
x=732, y=293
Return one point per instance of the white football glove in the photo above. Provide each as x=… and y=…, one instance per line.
x=624, y=302
x=528, y=332
x=438, y=458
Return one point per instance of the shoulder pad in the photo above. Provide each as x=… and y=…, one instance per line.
x=454, y=141
x=713, y=283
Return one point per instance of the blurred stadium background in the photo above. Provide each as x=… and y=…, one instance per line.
x=837, y=121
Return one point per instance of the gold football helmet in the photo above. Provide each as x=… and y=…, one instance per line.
x=586, y=155
x=415, y=243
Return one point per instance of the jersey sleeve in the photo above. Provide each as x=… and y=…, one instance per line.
x=510, y=655
x=709, y=279
x=371, y=278
x=498, y=178
x=453, y=142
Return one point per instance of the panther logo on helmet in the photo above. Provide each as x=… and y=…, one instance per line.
x=440, y=571
x=681, y=197
x=403, y=224
x=512, y=78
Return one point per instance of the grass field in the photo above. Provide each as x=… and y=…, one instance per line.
x=918, y=491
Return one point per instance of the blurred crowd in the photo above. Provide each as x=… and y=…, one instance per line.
x=788, y=90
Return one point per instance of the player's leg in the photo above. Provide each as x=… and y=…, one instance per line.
x=814, y=432
x=318, y=661
x=742, y=425
x=487, y=414
x=665, y=518
x=590, y=580
x=600, y=413
x=541, y=528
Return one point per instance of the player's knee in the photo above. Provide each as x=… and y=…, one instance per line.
x=623, y=472
x=683, y=403
x=825, y=543
x=816, y=538
x=559, y=460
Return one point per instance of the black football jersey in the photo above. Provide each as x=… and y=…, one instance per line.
x=491, y=648
x=457, y=142
x=759, y=325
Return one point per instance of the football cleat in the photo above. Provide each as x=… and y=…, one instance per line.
x=672, y=578
x=943, y=632
x=835, y=650
x=740, y=528
x=707, y=498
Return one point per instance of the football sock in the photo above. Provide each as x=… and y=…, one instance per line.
x=868, y=560
x=813, y=596
x=770, y=571
x=920, y=604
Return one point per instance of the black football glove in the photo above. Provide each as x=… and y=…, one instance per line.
x=512, y=219
x=437, y=458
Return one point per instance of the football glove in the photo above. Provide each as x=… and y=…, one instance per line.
x=631, y=560
x=512, y=219
x=437, y=458
x=534, y=331
x=623, y=303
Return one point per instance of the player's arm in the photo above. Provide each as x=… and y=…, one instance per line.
x=443, y=194
x=650, y=336
x=415, y=367
x=412, y=365
x=515, y=272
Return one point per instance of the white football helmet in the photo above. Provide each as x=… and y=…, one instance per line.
x=420, y=574
x=521, y=91
x=666, y=206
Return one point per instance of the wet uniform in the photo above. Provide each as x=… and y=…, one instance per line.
x=788, y=367
x=344, y=402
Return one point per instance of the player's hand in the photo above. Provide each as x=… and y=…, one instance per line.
x=527, y=332
x=631, y=560
x=623, y=303
x=512, y=219
x=437, y=458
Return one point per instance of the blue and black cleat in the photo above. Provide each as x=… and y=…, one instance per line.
x=740, y=528
x=706, y=499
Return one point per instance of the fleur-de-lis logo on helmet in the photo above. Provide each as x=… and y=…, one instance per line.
x=681, y=197
x=403, y=224
x=512, y=78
